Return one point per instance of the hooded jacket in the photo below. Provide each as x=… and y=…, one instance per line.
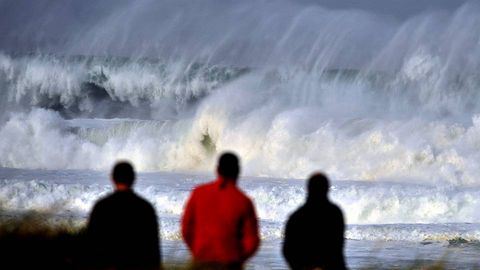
x=219, y=224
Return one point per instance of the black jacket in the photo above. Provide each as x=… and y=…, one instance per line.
x=123, y=233
x=314, y=237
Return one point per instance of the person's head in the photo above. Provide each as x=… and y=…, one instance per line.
x=318, y=186
x=123, y=174
x=228, y=166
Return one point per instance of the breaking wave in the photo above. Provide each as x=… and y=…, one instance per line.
x=107, y=86
x=387, y=212
x=403, y=103
x=291, y=144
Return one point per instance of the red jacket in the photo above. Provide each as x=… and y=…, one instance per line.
x=219, y=223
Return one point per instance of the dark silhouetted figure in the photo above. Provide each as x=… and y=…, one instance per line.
x=219, y=224
x=314, y=235
x=123, y=229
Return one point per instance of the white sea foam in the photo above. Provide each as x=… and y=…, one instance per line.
x=68, y=81
x=390, y=107
x=291, y=144
x=373, y=211
x=407, y=110
x=402, y=120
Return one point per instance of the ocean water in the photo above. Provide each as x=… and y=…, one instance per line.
x=383, y=234
x=388, y=107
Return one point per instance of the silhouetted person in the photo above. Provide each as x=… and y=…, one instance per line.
x=123, y=229
x=219, y=224
x=314, y=233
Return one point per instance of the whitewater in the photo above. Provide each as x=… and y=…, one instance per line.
x=389, y=109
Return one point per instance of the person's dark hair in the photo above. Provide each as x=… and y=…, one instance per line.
x=228, y=166
x=318, y=185
x=123, y=173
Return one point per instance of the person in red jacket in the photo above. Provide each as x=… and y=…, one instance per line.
x=219, y=224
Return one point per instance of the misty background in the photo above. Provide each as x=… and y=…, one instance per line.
x=211, y=29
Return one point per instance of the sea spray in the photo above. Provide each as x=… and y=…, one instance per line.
x=385, y=211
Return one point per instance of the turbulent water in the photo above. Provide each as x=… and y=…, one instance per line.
x=389, y=109
x=285, y=123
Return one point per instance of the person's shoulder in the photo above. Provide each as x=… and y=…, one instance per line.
x=298, y=213
x=142, y=201
x=335, y=209
x=105, y=200
x=334, y=206
x=103, y=205
x=205, y=187
x=297, y=218
x=242, y=196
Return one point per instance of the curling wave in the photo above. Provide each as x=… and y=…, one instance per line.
x=402, y=105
